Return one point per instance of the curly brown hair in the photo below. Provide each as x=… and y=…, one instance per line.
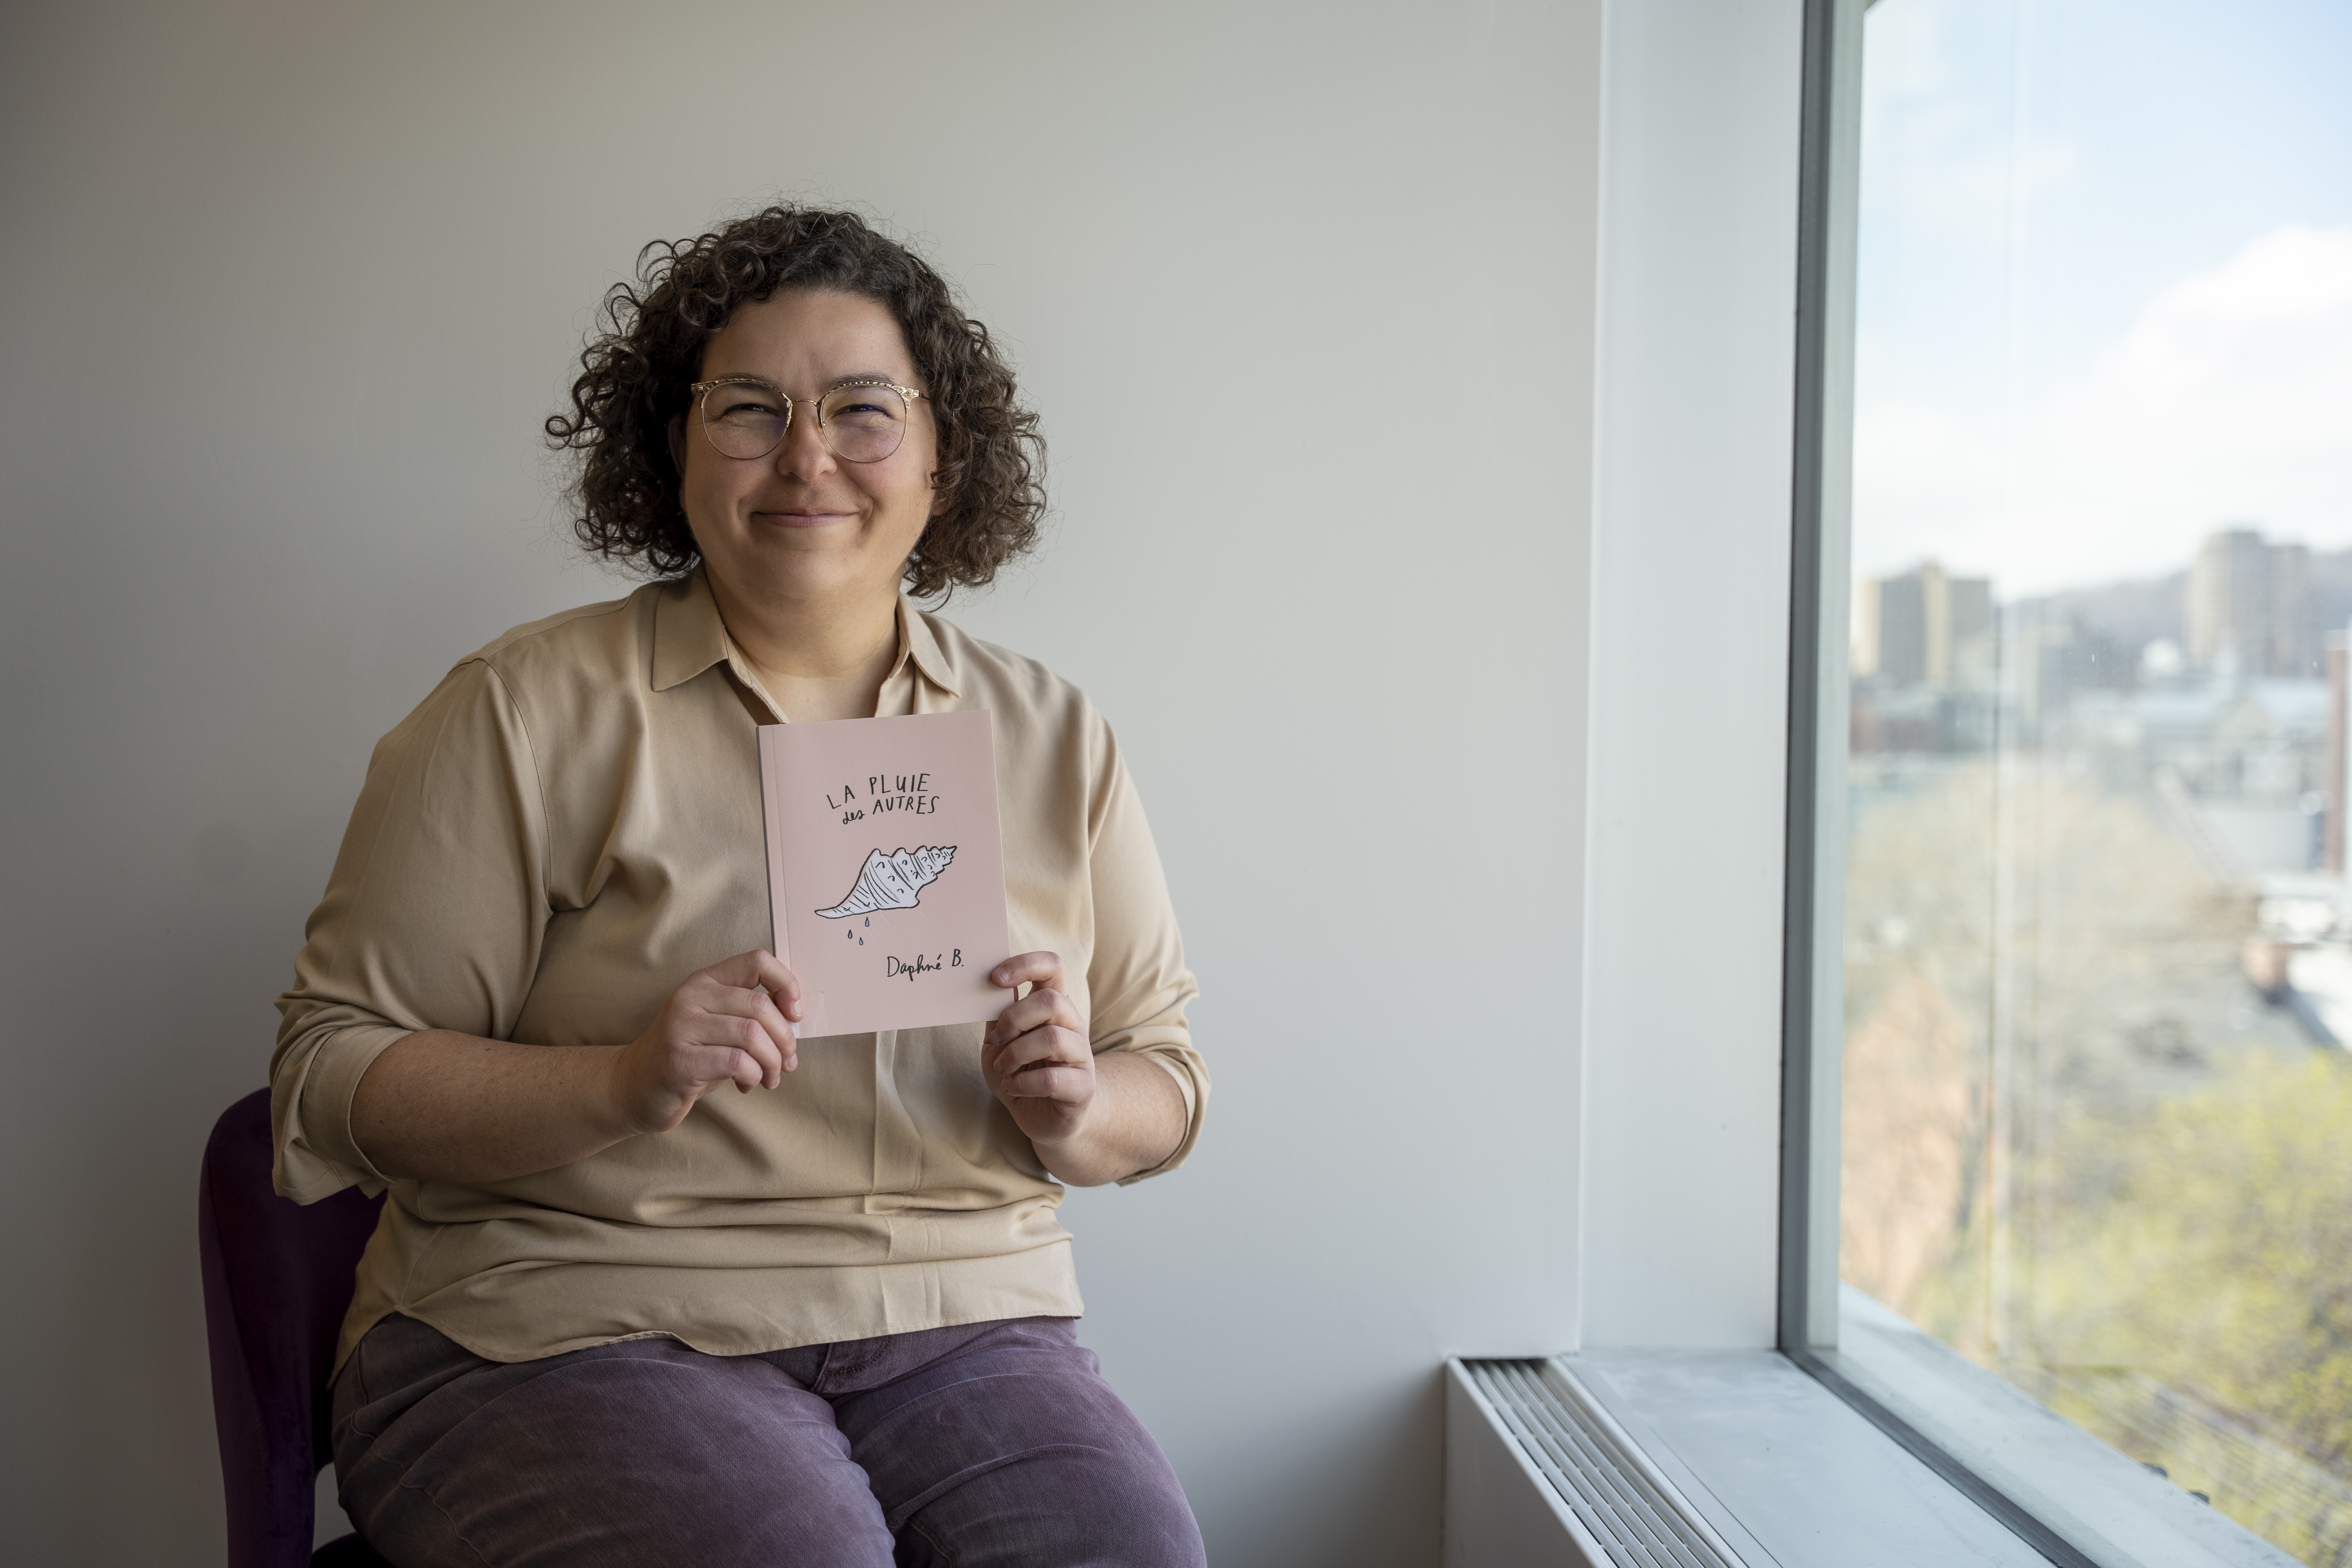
x=636, y=370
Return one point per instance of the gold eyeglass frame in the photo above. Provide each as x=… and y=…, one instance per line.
x=701, y=390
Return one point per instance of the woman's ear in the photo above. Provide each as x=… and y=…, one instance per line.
x=677, y=444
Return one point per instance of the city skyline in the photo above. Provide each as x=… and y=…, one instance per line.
x=2268, y=598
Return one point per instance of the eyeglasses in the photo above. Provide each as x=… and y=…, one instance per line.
x=859, y=421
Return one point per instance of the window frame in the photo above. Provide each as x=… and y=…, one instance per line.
x=1828, y=196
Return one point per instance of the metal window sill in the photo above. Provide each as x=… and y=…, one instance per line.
x=2110, y=1509
x=1788, y=1473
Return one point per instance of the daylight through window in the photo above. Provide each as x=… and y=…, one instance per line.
x=2098, y=1112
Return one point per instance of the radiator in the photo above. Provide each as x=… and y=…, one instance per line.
x=1538, y=1474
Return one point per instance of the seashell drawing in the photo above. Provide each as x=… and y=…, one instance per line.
x=892, y=881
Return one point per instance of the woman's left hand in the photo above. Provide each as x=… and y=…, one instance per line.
x=1036, y=1056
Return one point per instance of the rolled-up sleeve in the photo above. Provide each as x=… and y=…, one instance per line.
x=1136, y=984
x=431, y=919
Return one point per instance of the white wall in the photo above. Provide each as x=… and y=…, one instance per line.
x=1690, y=628
x=289, y=287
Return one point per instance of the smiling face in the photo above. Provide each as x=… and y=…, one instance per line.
x=801, y=529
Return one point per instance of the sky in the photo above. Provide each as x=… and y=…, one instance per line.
x=2106, y=284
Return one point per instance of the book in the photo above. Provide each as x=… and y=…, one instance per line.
x=885, y=869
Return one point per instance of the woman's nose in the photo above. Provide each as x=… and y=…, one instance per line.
x=803, y=455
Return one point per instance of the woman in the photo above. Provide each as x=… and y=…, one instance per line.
x=615, y=1315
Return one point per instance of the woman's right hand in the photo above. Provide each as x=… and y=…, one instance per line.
x=730, y=1023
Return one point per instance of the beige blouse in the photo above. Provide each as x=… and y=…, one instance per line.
x=563, y=831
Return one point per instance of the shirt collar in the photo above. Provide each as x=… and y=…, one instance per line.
x=917, y=642
x=690, y=638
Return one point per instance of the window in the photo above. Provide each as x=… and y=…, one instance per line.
x=2096, y=935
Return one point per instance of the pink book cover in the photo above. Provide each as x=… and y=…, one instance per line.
x=885, y=869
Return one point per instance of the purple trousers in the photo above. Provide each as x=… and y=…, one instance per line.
x=986, y=1443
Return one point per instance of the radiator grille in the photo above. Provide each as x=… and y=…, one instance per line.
x=1629, y=1509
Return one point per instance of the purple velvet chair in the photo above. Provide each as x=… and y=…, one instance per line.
x=277, y=1276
